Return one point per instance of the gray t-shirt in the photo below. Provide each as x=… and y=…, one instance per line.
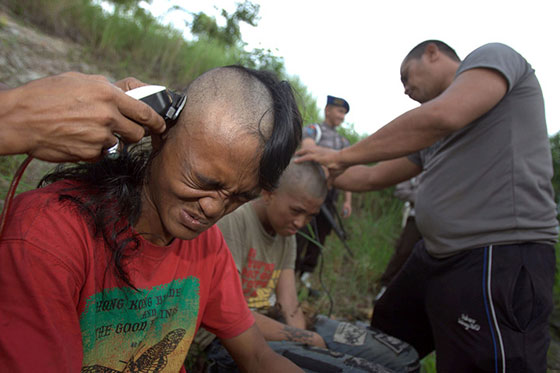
x=490, y=182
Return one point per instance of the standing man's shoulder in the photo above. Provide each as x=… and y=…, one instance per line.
x=499, y=57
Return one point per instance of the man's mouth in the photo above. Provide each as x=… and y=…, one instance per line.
x=191, y=221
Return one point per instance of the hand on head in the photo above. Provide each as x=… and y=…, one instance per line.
x=72, y=117
x=327, y=157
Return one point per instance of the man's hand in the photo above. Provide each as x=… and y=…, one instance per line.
x=347, y=209
x=252, y=354
x=72, y=117
x=325, y=156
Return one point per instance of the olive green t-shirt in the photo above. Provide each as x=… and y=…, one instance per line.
x=259, y=257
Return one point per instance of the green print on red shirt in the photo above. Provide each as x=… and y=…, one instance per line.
x=149, y=330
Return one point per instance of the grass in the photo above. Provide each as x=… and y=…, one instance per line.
x=129, y=41
x=127, y=44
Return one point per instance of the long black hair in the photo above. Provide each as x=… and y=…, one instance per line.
x=108, y=192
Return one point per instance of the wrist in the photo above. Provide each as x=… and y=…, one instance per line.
x=319, y=341
x=341, y=158
x=14, y=139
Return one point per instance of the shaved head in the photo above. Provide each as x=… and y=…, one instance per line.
x=304, y=178
x=230, y=101
x=419, y=50
x=233, y=101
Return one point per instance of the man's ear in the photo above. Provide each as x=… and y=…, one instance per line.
x=432, y=52
x=267, y=195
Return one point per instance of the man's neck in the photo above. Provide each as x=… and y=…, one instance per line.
x=259, y=205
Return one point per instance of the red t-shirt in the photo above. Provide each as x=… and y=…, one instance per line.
x=61, y=310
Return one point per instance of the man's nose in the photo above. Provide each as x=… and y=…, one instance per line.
x=213, y=206
x=300, y=221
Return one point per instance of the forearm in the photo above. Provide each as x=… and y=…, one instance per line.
x=253, y=354
x=15, y=138
x=294, y=317
x=269, y=361
x=406, y=134
x=273, y=330
x=347, y=197
x=382, y=175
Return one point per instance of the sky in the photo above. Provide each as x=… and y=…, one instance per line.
x=353, y=48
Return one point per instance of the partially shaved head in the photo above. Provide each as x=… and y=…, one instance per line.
x=241, y=103
x=234, y=101
x=304, y=178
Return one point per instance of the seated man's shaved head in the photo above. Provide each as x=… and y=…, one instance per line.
x=306, y=177
x=301, y=192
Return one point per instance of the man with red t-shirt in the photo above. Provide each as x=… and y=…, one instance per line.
x=115, y=264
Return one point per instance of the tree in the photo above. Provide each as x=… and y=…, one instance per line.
x=204, y=26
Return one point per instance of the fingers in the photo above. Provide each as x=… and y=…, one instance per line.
x=74, y=116
x=303, y=155
x=129, y=83
x=302, y=152
x=134, y=117
x=138, y=118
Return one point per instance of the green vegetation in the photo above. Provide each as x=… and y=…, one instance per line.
x=128, y=41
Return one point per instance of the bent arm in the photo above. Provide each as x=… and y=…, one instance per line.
x=382, y=175
x=71, y=117
x=252, y=354
x=286, y=296
x=472, y=94
x=307, y=143
x=277, y=331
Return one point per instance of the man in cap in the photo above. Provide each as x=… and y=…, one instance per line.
x=324, y=135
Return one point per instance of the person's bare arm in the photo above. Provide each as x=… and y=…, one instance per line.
x=472, y=94
x=286, y=296
x=382, y=175
x=347, y=205
x=276, y=331
x=71, y=117
x=308, y=143
x=252, y=354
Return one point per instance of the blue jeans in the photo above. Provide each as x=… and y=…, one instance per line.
x=350, y=349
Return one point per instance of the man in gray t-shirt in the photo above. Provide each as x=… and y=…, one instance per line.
x=479, y=288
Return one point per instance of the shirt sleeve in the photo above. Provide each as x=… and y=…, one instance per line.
x=233, y=229
x=289, y=259
x=499, y=57
x=310, y=132
x=415, y=158
x=227, y=314
x=39, y=292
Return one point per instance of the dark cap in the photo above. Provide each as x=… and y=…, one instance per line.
x=337, y=101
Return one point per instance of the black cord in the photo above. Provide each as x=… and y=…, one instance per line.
x=313, y=229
